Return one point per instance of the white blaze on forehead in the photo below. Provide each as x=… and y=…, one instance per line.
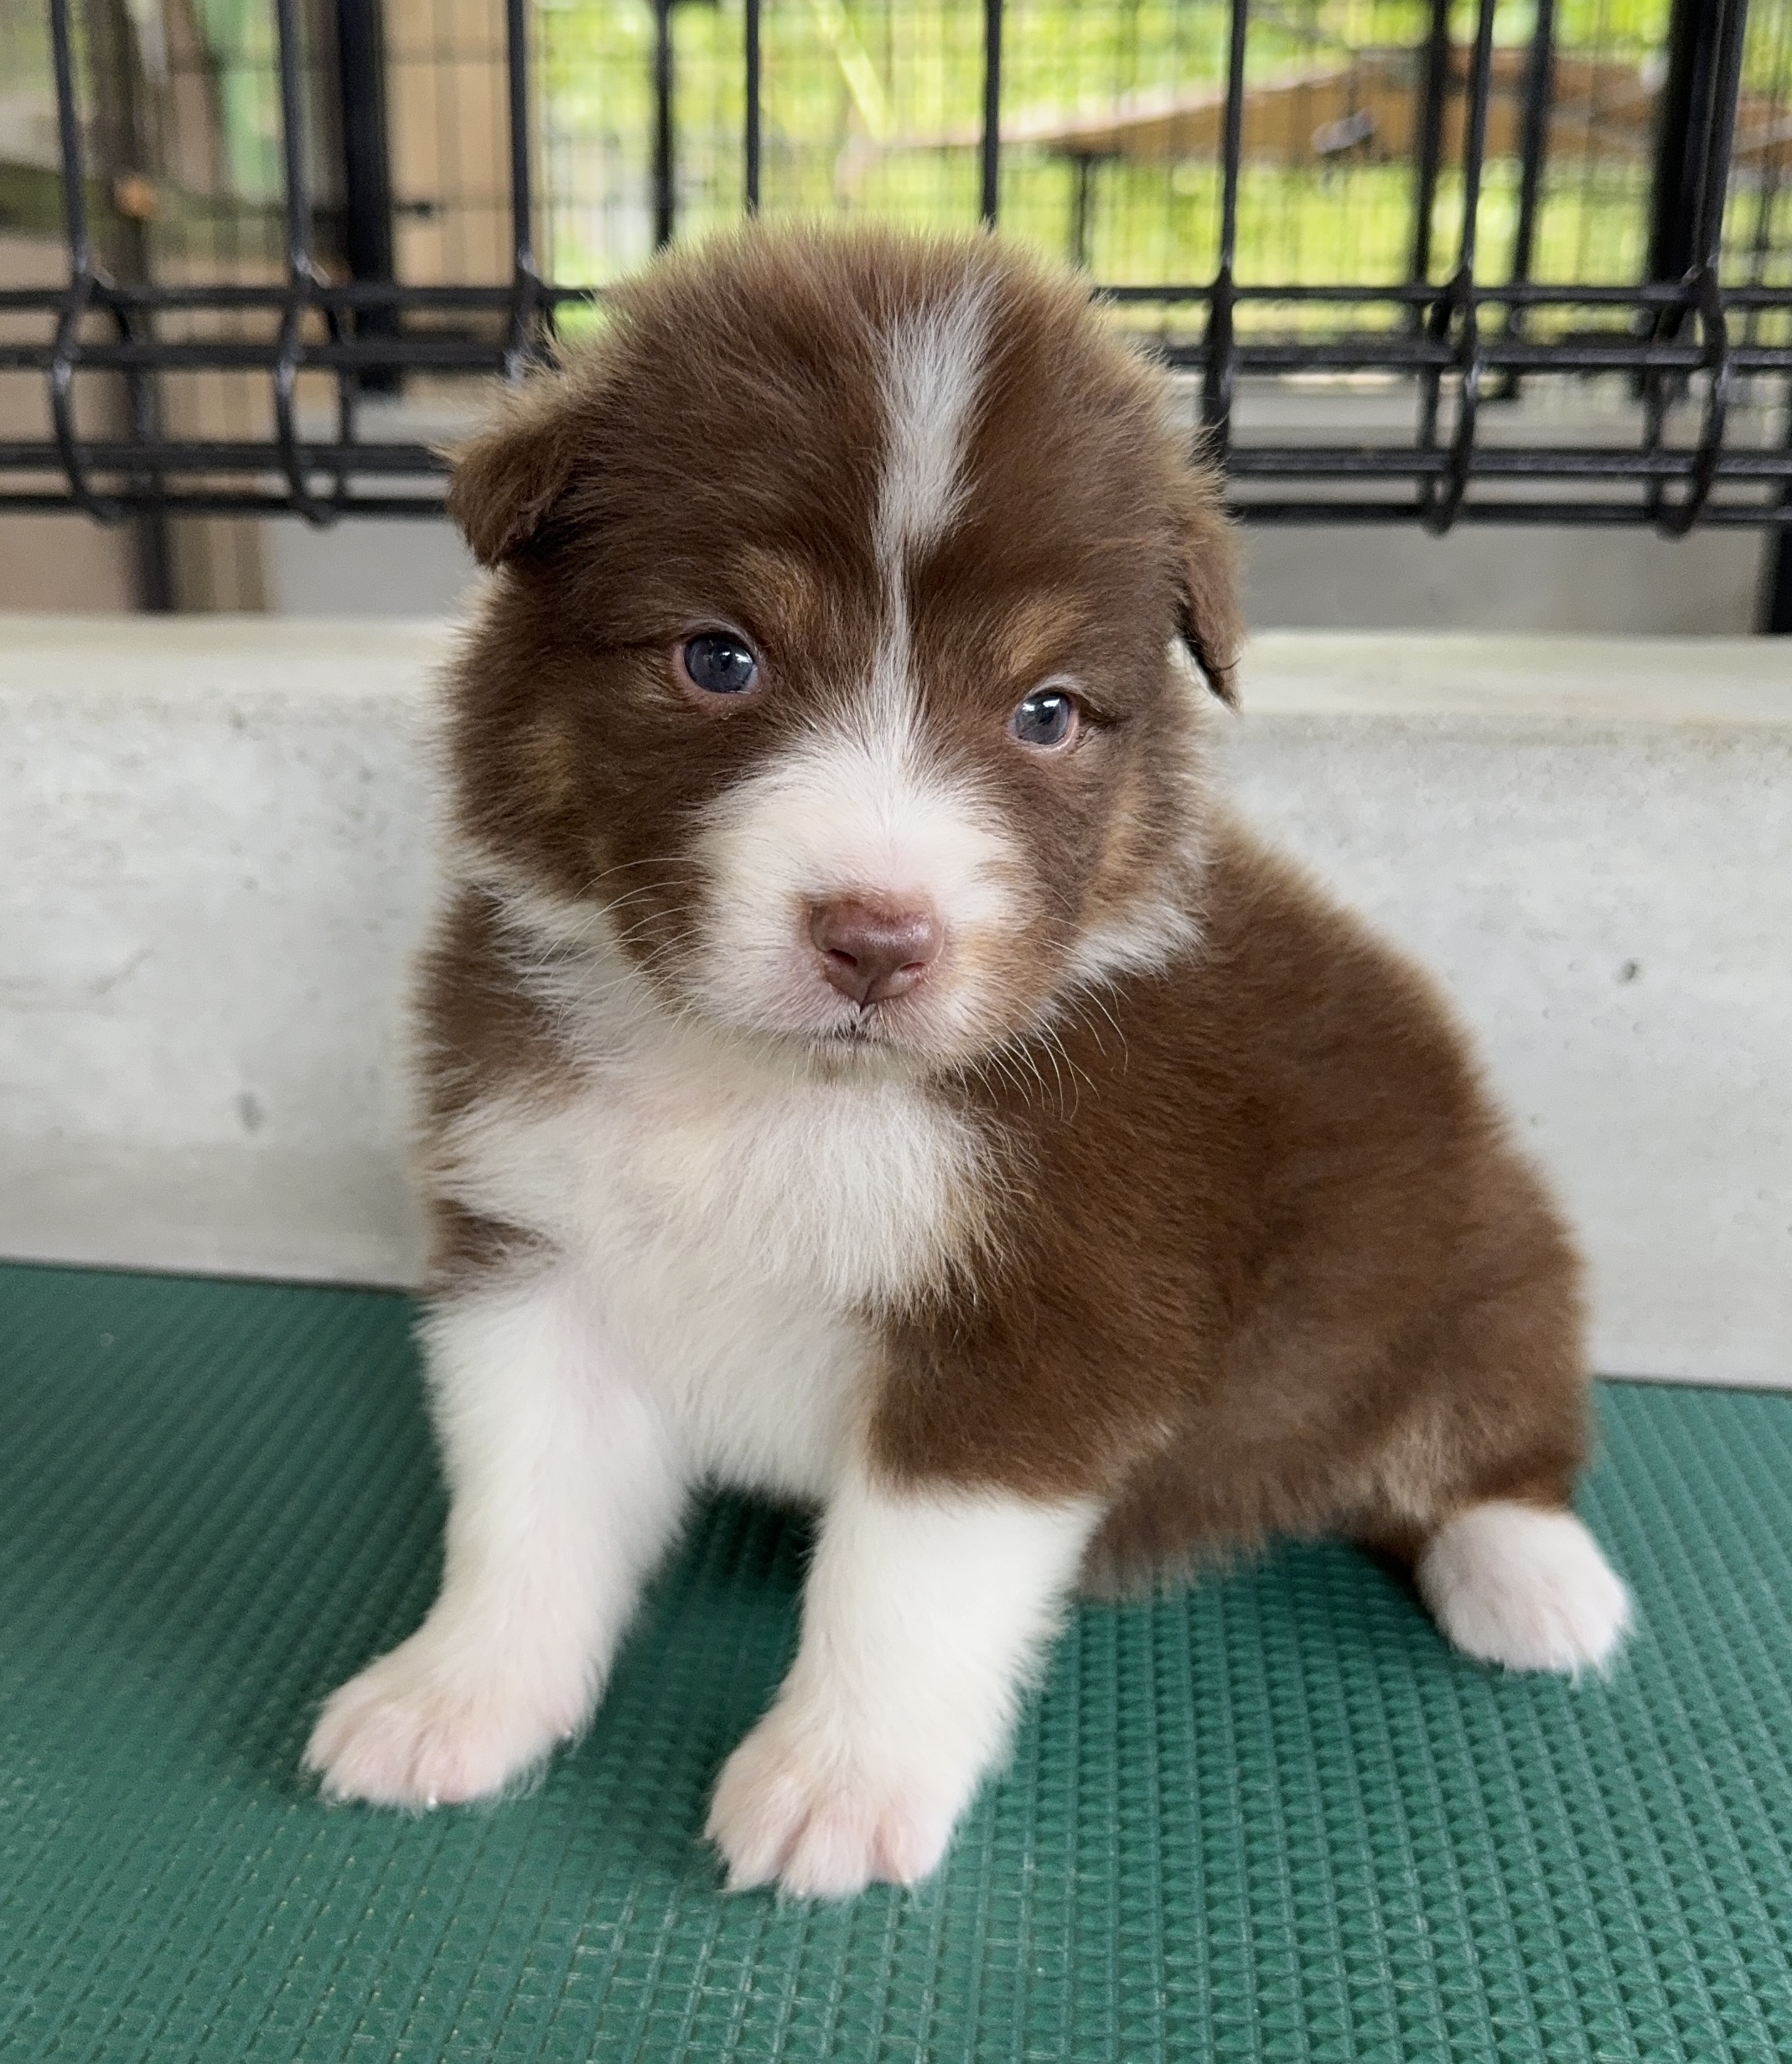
x=933, y=367
x=862, y=807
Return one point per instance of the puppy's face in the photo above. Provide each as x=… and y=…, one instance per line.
x=831, y=660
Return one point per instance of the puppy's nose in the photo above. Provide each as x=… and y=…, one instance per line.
x=870, y=951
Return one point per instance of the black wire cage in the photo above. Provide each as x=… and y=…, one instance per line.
x=1493, y=261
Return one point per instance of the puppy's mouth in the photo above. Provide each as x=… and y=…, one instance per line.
x=869, y=1027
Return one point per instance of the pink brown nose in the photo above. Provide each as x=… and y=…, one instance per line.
x=872, y=951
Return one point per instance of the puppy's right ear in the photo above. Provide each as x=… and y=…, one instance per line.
x=508, y=479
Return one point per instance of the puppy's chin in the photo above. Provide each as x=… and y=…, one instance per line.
x=935, y=1027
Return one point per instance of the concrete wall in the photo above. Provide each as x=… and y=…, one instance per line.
x=214, y=857
x=1586, y=583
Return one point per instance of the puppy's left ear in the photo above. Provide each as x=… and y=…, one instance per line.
x=1208, y=615
x=507, y=479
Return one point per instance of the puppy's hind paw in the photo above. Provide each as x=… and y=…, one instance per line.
x=410, y=1731
x=1514, y=1585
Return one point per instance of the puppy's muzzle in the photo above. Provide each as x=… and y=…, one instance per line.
x=872, y=951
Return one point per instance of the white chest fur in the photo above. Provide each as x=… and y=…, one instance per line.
x=738, y=1220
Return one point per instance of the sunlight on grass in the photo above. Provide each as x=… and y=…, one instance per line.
x=873, y=109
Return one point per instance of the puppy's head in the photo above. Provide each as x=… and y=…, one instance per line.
x=832, y=662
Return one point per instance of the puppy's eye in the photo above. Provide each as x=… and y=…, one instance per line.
x=720, y=663
x=1047, y=717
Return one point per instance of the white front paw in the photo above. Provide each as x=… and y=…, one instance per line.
x=430, y=1725
x=793, y=1806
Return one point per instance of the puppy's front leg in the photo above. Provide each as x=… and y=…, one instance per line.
x=923, y=1610
x=563, y=1491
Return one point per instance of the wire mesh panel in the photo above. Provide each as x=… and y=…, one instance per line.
x=1415, y=260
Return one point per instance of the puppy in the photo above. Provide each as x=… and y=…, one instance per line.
x=862, y=1065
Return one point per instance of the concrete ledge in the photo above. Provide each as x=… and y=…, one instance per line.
x=213, y=834
x=215, y=853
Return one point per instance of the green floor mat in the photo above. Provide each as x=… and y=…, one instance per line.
x=1276, y=1819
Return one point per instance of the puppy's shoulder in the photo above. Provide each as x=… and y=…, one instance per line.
x=1288, y=1028
x=1284, y=965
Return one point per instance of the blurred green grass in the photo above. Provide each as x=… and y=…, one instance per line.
x=857, y=95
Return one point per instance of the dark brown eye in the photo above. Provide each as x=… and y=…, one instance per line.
x=1047, y=717
x=720, y=662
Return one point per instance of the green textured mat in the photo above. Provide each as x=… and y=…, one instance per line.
x=1274, y=1820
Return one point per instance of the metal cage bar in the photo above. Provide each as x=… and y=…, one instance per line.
x=664, y=132
x=1220, y=367
x=1679, y=336
x=528, y=298
x=367, y=167
x=989, y=146
x=751, y=173
x=301, y=278
x=1539, y=73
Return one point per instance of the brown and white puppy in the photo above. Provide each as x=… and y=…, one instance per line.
x=862, y=1065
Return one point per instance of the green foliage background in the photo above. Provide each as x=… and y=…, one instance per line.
x=863, y=99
